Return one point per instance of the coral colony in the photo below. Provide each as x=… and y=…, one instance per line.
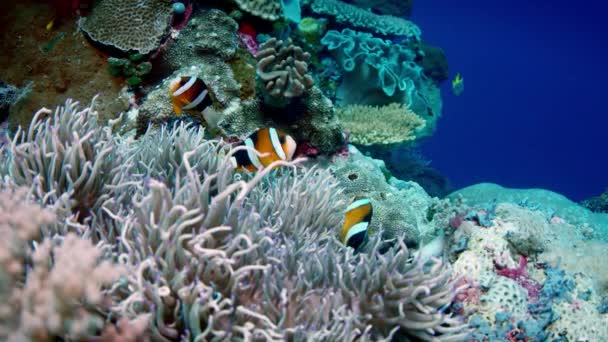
x=227, y=198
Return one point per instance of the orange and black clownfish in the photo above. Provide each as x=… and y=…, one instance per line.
x=189, y=93
x=276, y=144
x=357, y=218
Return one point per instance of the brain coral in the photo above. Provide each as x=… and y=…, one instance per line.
x=129, y=25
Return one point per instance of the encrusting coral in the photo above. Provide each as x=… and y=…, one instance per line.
x=205, y=253
x=380, y=125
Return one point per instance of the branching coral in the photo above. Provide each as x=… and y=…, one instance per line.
x=283, y=68
x=380, y=125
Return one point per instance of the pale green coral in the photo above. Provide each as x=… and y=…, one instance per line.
x=380, y=125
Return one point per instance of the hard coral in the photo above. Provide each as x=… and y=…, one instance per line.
x=380, y=125
x=265, y=9
x=283, y=67
x=357, y=17
x=217, y=34
x=129, y=25
x=520, y=274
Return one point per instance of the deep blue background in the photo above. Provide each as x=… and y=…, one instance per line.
x=533, y=112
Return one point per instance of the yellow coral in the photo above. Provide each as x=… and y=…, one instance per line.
x=380, y=125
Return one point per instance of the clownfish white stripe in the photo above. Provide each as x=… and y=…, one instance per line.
x=276, y=143
x=358, y=203
x=185, y=87
x=356, y=229
x=234, y=162
x=196, y=101
x=253, y=157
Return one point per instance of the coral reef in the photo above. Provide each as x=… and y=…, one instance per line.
x=549, y=203
x=360, y=18
x=265, y=9
x=137, y=226
x=50, y=300
x=597, y=204
x=521, y=264
x=130, y=26
x=385, y=125
x=379, y=72
x=204, y=252
x=283, y=67
x=399, y=212
x=216, y=35
x=399, y=8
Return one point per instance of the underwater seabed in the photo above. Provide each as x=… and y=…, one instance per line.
x=202, y=177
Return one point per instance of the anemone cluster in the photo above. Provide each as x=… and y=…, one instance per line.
x=172, y=243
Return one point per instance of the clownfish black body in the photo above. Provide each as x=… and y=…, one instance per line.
x=272, y=143
x=189, y=93
x=357, y=218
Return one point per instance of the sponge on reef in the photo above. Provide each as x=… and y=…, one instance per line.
x=129, y=25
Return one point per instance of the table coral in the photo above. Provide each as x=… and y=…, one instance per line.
x=380, y=125
x=129, y=25
x=266, y=9
x=357, y=17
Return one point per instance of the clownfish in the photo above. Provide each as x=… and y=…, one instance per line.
x=189, y=93
x=357, y=218
x=275, y=144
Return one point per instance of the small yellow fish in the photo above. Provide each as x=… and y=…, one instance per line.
x=50, y=25
x=458, y=85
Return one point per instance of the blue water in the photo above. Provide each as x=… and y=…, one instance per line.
x=533, y=112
